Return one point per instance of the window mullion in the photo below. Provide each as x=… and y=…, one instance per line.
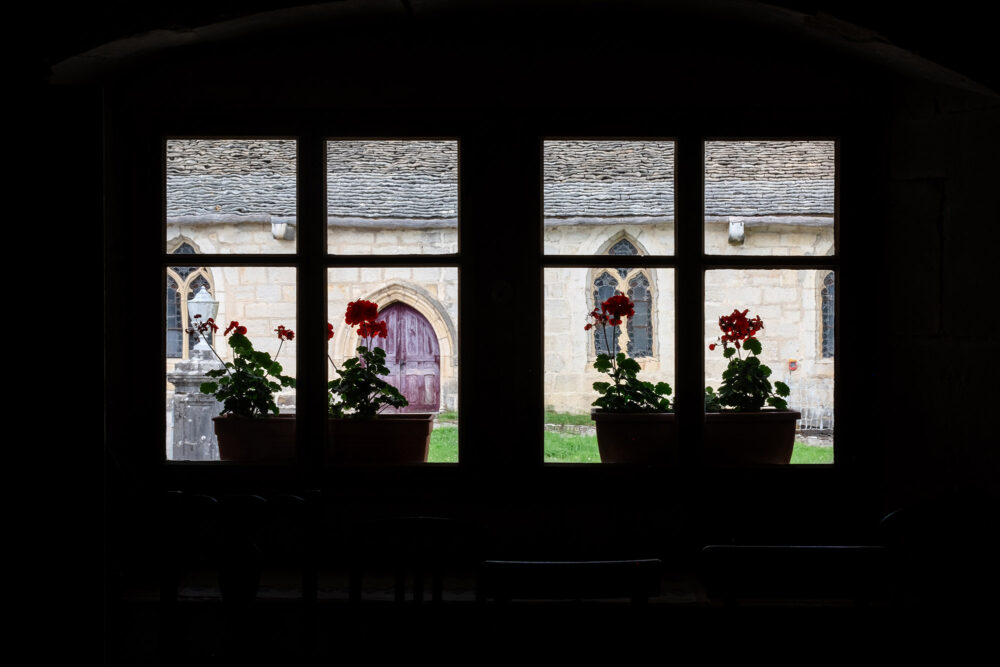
x=311, y=372
x=690, y=292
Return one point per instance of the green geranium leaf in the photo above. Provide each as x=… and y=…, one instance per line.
x=777, y=403
x=628, y=365
x=728, y=352
x=752, y=344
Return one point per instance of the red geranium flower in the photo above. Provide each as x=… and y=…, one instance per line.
x=373, y=329
x=201, y=327
x=599, y=318
x=361, y=311
x=617, y=307
x=736, y=328
x=285, y=334
x=234, y=325
x=329, y=331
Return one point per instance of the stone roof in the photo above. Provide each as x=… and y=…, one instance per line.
x=417, y=181
x=611, y=179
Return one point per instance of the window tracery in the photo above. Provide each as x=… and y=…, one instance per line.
x=636, y=338
x=183, y=282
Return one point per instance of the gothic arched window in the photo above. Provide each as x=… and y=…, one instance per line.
x=827, y=308
x=637, y=336
x=183, y=282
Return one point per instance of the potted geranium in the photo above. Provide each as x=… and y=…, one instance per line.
x=739, y=430
x=249, y=428
x=359, y=429
x=634, y=420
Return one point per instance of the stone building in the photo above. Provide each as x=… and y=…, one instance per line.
x=609, y=198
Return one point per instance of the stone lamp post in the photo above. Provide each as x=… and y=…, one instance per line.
x=193, y=431
x=204, y=305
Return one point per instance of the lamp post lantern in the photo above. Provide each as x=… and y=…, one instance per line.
x=204, y=305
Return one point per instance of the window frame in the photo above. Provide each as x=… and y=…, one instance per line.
x=688, y=262
x=309, y=258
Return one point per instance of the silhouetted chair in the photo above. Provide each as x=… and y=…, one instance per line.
x=190, y=545
x=944, y=553
x=410, y=546
x=235, y=539
x=777, y=573
x=507, y=580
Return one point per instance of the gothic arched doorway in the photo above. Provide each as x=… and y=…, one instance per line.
x=413, y=357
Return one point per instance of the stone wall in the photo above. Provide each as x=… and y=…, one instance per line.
x=788, y=301
x=261, y=298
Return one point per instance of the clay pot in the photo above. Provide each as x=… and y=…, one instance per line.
x=269, y=439
x=749, y=438
x=636, y=437
x=389, y=439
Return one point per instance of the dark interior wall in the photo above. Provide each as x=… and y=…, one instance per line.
x=918, y=169
x=940, y=321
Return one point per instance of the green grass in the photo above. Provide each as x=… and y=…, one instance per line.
x=570, y=448
x=804, y=453
x=550, y=418
x=567, y=448
x=444, y=445
x=566, y=418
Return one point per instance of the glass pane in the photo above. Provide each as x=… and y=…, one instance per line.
x=797, y=328
x=175, y=336
x=419, y=307
x=258, y=298
x=231, y=196
x=392, y=197
x=571, y=349
x=769, y=197
x=596, y=192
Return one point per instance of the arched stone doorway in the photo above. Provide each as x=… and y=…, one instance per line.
x=413, y=357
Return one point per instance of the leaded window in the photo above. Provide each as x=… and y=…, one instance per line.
x=827, y=306
x=640, y=329
x=637, y=335
x=183, y=282
x=623, y=247
x=605, y=287
x=175, y=327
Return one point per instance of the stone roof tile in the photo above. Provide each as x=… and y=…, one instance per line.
x=418, y=180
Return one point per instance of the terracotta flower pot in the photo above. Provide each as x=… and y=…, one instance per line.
x=269, y=439
x=636, y=437
x=749, y=438
x=394, y=439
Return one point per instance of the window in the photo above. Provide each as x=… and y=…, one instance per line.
x=637, y=336
x=765, y=201
x=827, y=303
x=610, y=227
x=768, y=232
x=394, y=200
x=183, y=282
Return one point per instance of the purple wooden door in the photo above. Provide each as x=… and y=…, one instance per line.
x=413, y=357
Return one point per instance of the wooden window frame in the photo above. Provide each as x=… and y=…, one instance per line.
x=486, y=157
